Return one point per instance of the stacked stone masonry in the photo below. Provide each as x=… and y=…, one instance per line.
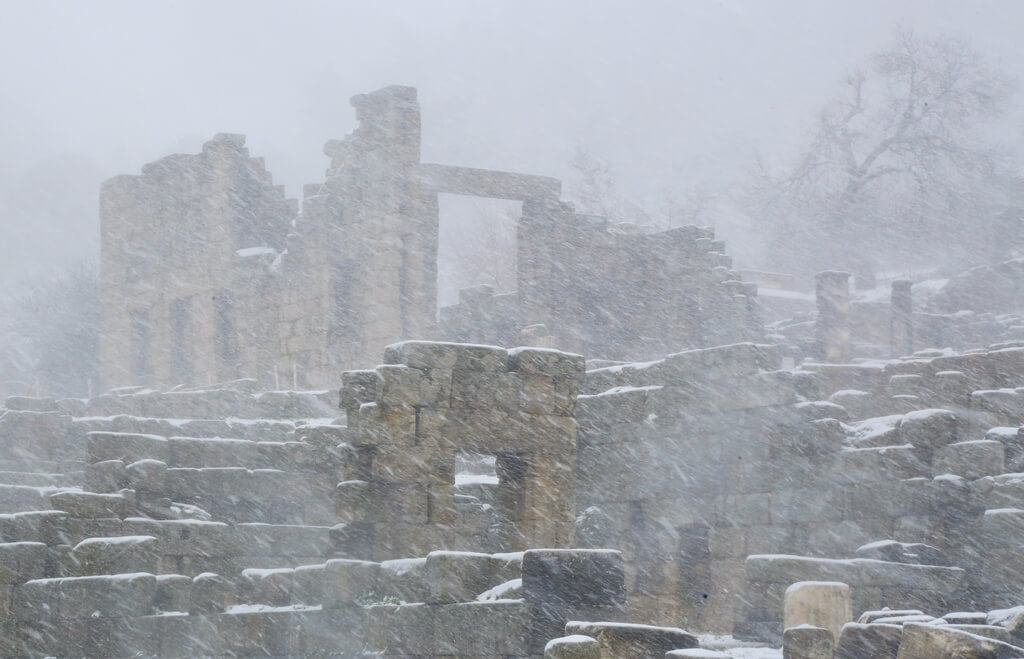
x=703, y=485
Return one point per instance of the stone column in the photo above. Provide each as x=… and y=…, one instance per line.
x=901, y=323
x=824, y=604
x=833, y=324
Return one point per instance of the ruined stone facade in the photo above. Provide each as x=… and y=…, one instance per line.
x=210, y=274
x=470, y=500
x=691, y=491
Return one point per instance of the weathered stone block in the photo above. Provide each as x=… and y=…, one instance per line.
x=283, y=540
x=92, y=505
x=436, y=388
x=929, y=429
x=805, y=507
x=427, y=354
x=147, y=475
x=375, y=501
x=188, y=537
x=398, y=385
x=22, y=561
x=201, y=453
x=807, y=642
x=47, y=526
x=723, y=361
x=573, y=577
x=106, y=476
x=971, y=460
x=1010, y=619
x=122, y=595
x=879, y=641
x=617, y=405
x=183, y=636
x=494, y=431
x=28, y=404
x=210, y=594
x=96, y=556
x=413, y=464
x=994, y=632
x=404, y=579
x=490, y=629
x=385, y=425
x=782, y=569
x=544, y=361
x=421, y=354
x=272, y=587
x=459, y=576
x=127, y=447
x=820, y=604
x=576, y=646
x=173, y=592
x=631, y=641
x=486, y=390
x=878, y=464
x=396, y=539
x=930, y=641
x=347, y=581
x=400, y=631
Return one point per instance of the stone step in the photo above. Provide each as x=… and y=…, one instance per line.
x=201, y=452
x=40, y=479
x=118, y=595
x=23, y=498
x=238, y=495
x=113, y=555
x=248, y=429
x=217, y=404
x=192, y=547
x=30, y=465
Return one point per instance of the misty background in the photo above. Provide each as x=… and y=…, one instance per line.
x=674, y=95
x=675, y=101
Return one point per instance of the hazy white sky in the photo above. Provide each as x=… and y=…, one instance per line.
x=678, y=94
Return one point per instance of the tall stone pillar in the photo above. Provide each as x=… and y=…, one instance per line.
x=833, y=324
x=901, y=322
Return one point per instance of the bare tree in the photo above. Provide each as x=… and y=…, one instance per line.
x=593, y=190
x=896, y=167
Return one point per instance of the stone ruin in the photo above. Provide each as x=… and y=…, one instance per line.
x=209, y=273
x=470, y=500
x=475, y=501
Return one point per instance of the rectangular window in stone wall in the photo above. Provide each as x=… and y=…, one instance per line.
x=226, y=341
x=181, y=349
x=139, y=321
x=342, y=285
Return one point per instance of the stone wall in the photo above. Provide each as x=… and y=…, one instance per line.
x=178, y=297
x=445, y=604
x=412, y=417
x=674, y=464
x=692, y=463
x=210, y=274
x=585, y=287
x=719, y=478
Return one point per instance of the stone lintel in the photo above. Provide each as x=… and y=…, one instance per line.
x=488, y=183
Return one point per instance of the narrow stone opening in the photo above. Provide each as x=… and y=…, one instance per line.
x=181, y=341
x=476, y=477
x=140, y=335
